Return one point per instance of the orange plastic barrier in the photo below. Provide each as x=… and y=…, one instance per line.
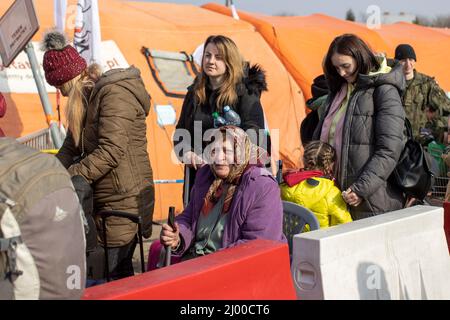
x=447, y=223
x=257, y=270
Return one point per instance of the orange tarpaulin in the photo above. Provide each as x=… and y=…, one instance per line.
x=432, y=47
x=171, y=27
x=301, y=42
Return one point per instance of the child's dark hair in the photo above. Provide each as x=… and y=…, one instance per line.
x=319, y=155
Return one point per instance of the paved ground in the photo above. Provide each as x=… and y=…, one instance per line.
x=147, y=242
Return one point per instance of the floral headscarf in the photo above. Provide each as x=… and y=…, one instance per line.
x=246, y=155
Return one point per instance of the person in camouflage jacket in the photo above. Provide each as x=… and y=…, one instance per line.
x=422, y=95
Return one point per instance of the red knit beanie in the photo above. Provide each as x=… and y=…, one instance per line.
x=63, y=65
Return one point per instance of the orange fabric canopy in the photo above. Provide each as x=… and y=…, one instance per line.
x=171, y=27
x=432, y=47
x=301, y=42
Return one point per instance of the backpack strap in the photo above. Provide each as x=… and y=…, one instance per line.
x=9, y=246
x=5, y=244
x=7, y=201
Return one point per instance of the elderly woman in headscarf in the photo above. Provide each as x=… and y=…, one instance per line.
x=234, y=200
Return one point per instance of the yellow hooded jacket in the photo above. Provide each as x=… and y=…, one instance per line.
x=320, y=196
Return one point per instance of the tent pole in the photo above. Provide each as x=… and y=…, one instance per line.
x=54, y=130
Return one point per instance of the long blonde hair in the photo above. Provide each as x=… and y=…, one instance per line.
x=233, y=74
x=78, y=88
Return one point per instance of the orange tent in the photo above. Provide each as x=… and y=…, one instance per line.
x=171, y=27
x=431, y=45
x=301, y=42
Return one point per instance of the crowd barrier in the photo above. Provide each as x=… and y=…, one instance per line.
x=397, y=255
x=256, y=270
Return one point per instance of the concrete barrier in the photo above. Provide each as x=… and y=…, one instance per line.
x=257, y=270
x=398, y=255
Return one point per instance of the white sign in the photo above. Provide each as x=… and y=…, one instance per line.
x=17, y=27
x=59, y=14
x=18, y=77
x=166, y=115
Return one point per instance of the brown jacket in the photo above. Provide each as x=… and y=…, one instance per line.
x=114, y=152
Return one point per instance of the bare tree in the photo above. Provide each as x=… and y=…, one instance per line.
x=442, y=21
x=285, y=14
x=349, y=15
x=422, y=20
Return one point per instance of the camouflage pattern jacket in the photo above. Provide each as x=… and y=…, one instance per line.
x=421, y=92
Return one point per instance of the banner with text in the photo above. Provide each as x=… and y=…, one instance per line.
x=18, y=77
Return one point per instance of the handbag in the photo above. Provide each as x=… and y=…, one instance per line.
x=412, y=173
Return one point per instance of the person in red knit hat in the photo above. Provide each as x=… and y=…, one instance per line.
x=106, y=143
x=2, y=111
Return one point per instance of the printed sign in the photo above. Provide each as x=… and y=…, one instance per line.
x=18, y=77
x=17, y=27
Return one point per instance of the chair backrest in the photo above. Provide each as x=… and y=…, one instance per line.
x=295, y=217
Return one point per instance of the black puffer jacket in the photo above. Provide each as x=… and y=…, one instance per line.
x=372, y=141
x=248, y=107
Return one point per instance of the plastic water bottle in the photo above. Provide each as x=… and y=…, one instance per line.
x=231, y=117
x=218, y=120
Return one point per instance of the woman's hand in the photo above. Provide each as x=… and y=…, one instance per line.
x=192, y=160
x=170, y=237
x=351, y=197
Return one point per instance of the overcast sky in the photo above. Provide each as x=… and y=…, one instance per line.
x=337, y=8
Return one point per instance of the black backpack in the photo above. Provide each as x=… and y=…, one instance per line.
x=308, y=126
x=412, y=173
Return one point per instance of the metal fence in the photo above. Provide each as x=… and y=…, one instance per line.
x=440, y=180
x=42, y=140
x=39, y=140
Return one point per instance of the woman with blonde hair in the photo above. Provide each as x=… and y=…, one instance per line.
x=225, y=80
x=106, y=142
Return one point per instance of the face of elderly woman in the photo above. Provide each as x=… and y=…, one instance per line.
x=222, y=156
x=345, y=66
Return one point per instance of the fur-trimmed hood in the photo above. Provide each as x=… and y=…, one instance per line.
x=254, y=80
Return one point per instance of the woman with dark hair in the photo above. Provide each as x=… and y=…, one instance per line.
x=225, y=79
x=363, y=121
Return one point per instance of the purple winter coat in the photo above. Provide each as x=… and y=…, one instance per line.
x=256, y=210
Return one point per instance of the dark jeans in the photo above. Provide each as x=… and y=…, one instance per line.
x=120, y=260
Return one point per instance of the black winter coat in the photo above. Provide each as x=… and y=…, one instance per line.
x=372, y=141
x=248, y=107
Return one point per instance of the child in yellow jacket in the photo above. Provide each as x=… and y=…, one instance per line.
x=313, y=187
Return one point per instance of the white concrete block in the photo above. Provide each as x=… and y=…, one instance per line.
x=397, y=255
